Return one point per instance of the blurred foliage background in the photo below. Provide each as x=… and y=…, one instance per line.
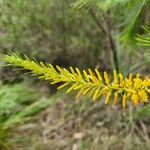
x=84, y=33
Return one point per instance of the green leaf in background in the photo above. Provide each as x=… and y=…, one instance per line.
x=144, y=40
x=144, y=112
x=19, y=103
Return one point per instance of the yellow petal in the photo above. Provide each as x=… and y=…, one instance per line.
x=134, y=99
x=98, y=74
x=62, y=86
x=107, y=81
x=121, y=80
x=107, y=97
x=130, y=76
x=138, y=83
x=143, y=95
x=95, y=96
x=115, y=98
x=124, y=99
x=115, y=76
x=78, y=72
x=79, y=94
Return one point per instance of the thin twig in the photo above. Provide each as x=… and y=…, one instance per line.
x=106, y=30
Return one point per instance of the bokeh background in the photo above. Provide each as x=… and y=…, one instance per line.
x=33, y=114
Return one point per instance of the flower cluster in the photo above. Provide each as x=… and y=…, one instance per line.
x=120, y=89
x=130, y=88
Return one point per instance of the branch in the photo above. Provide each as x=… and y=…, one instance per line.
x=107, y=32
x=91, y=83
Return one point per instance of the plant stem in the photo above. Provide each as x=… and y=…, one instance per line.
x=107, y=32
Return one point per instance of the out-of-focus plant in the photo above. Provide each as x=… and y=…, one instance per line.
x=144, y=39
x=18, y=103
x=130, y=22
x=52, y=32
x=121, y=21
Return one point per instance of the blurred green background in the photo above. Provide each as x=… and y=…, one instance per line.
x=59, y=32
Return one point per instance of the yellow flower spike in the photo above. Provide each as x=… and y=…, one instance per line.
x=121, y=80
x=107, y=81
x=115, y=76
x=137, y=89
x=124, y=100
x=115, y=101
x=134, y=99
x=107, y=97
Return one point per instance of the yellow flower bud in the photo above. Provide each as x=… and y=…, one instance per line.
x=143, y=95
x=107, y=81
x=128, y=83
x=124, y=99
x=134, y=99
x=146, y=82
x=137, y=83
x=115, y=98
x=121, y=80
x=130, y=76
x=107, y=97
x=115, y=76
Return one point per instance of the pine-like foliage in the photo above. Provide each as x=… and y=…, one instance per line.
x=133, y=88
x=144, y=40
x=130, y=22
x=18, y=103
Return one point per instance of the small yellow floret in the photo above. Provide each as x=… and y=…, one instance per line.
x=128, y=83
x=134, y=99
x=107, y=97
x=106, y=78
x=115, y=76
x=138, y=82
x=124, y=99
x=121, y=80
x=143, y=95
x=115, y=98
